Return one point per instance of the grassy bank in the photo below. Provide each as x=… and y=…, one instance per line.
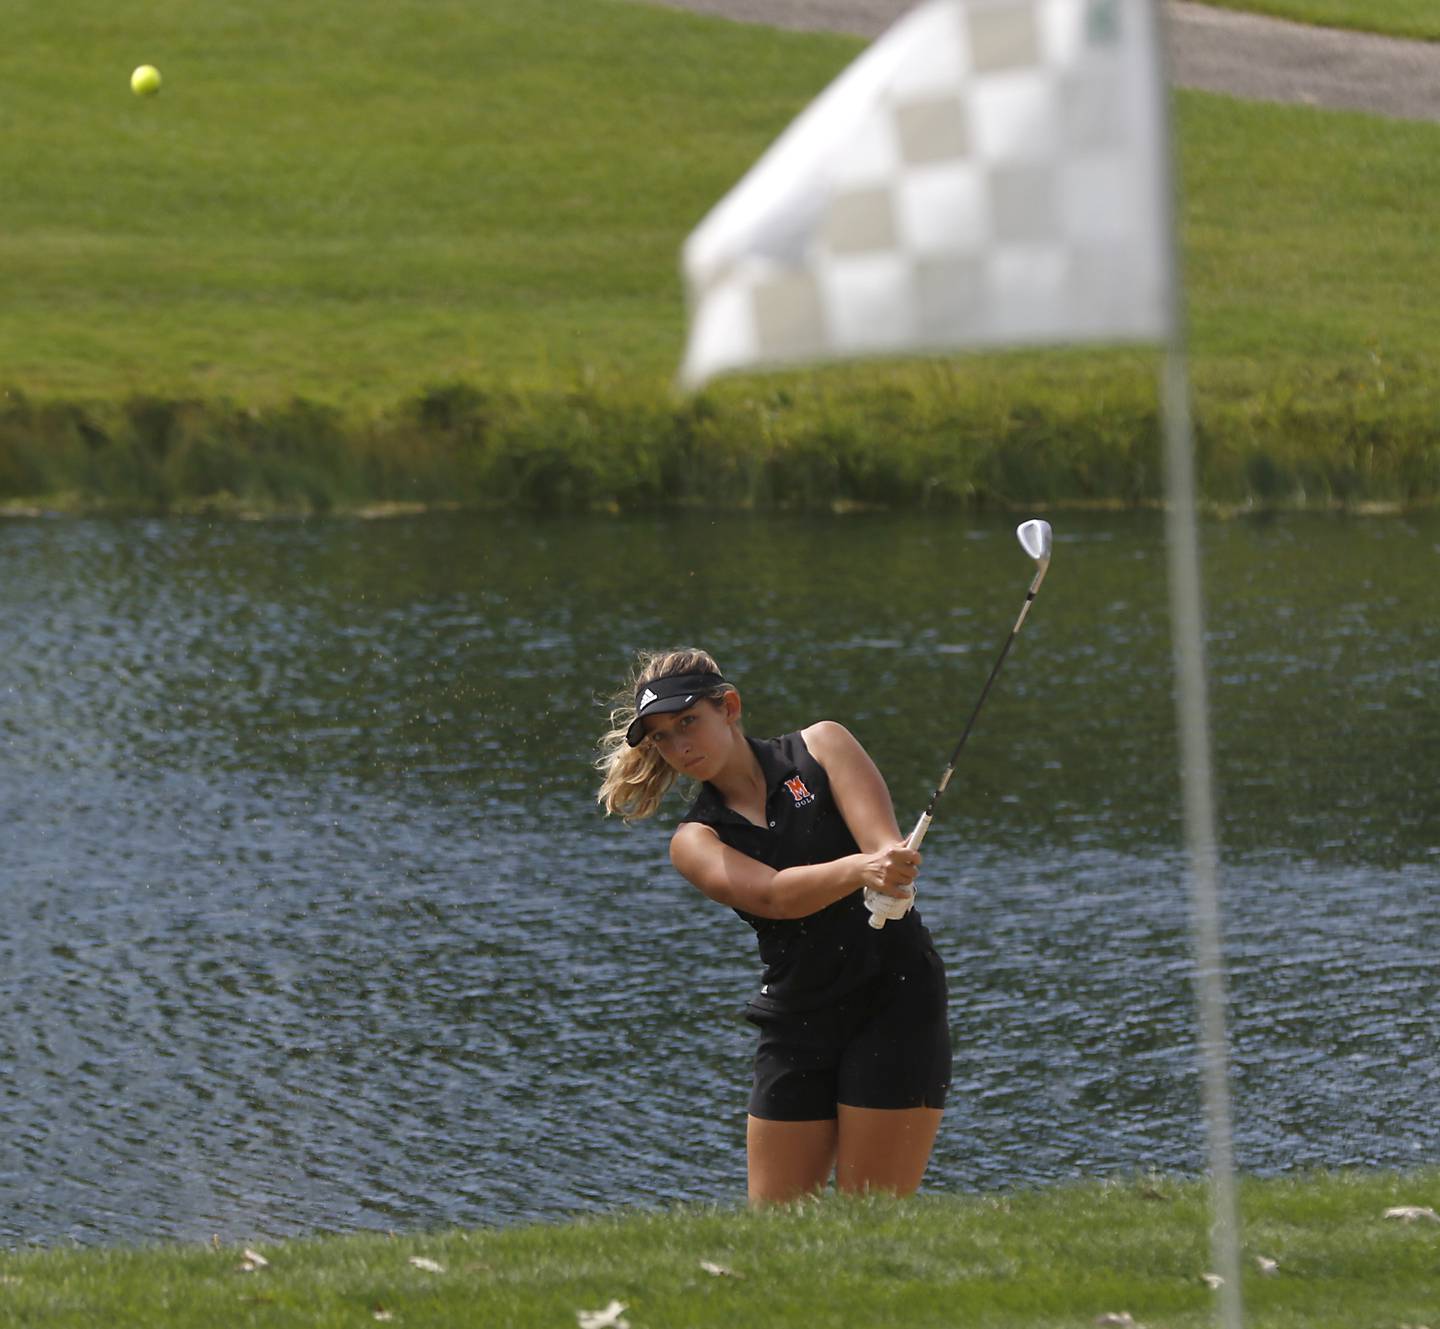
x=1060, y=1257
x=427, y=251
x=926, y=437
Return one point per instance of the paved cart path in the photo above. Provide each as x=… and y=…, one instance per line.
x=1244, y=55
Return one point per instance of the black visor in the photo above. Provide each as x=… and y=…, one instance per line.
x=660, y=696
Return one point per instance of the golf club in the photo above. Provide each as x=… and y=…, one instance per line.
x=1035, y=540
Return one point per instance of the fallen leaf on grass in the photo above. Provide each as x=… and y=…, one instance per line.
x=1266, y=1266
x=253, y=1260
x=1408, y=1213
x=719, y=1270
x=1212, y=1281
x=609, y=1318
x=428, y=1265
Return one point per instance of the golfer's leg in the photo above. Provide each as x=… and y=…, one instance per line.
x=884, y=1149
x=788, y=1159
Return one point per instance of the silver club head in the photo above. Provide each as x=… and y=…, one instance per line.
x=1034, y=537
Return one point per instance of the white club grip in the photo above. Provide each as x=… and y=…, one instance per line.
x=884, y=907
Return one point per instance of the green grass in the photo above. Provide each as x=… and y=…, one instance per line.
x=352, y=204
x=368, y=207
x=348, y=202
x=1309, y=248
x=1055, y=1257
x=1394, y=18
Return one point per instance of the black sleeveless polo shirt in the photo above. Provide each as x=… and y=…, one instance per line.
x=812, y=961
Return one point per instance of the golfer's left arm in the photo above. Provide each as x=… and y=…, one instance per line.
x=858, y=787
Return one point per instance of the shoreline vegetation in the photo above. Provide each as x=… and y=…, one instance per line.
x=1325, y=1250
x=219, y=301
x=916, y=438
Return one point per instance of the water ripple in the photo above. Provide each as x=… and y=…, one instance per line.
x=312, y=923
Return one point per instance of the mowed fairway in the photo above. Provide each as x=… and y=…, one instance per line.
x=1393, y=18
x=351, y=203
x=348, y=201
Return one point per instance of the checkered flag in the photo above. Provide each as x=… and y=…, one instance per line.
x=989, y=172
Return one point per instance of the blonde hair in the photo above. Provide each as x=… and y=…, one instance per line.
x=634, y=780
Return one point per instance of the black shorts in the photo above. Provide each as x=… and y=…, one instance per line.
x=887, y=1045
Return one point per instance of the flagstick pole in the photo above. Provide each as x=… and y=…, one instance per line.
x=1188, y=641
x=1182, y=545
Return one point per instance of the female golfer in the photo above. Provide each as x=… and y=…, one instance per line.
x=853, y=1061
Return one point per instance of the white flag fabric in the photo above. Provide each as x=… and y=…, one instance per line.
x=987, y=173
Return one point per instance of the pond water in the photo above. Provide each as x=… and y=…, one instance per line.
x=312, y=924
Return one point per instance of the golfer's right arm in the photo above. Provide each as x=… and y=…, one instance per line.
x=741, y=882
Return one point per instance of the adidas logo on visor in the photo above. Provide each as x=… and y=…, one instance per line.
x=646, y=698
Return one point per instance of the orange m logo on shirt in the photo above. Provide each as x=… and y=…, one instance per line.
x=798, y=791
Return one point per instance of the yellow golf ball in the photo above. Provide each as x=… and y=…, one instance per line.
x=145, y=81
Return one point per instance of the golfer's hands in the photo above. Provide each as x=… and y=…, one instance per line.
x=890, y=882
x=892, y=871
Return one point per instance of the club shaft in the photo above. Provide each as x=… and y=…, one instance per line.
x=1035, y=536
x=919, y=833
